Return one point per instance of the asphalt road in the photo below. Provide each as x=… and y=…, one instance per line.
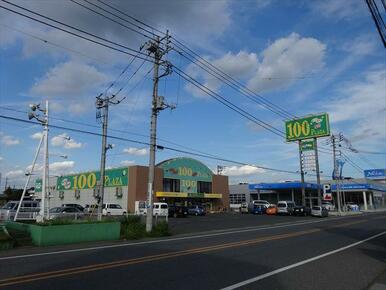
x=334, y=253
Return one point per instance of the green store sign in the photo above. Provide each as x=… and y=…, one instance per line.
x=113, y=177
x=188, y=171
x=308, y=127
x=88, y=180
x=307, y=145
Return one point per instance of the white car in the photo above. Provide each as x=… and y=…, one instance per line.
x=113, y=209
x=328, y=205
x=352, y=206
x=285, y=207
x=261, y=202
x=319, y=211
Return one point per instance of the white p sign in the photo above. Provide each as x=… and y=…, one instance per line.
x=327, y=191
x=326, y=188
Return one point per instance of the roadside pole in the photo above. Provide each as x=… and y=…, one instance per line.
x=302, y=175
x=153, y=134
x=158, y=104
x=335, y=173
x=45, y=183
x=101, y=187
x=317, y=171
x=29, y=177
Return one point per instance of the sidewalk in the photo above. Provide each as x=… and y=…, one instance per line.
x=379, y=283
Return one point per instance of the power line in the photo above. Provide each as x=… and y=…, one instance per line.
x=104, y=16
x=53, y=43
x=160, y=147
x=238, y=87
x=227, y=103
x=75, y=34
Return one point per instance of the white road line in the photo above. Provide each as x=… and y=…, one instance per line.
x=277, y=271
x=225, y=232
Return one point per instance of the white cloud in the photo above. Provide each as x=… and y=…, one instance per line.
x=70, y=79
x=284, y=61
x=287, y=59
x=363, y=104
x=339, y=9
x=244, y=170
x=14, y=174
x=1, y=158
x=127, y=162
x=63, y=140
x=8, y=140
x=62, y=166
x=135, y=151
x=37, y=135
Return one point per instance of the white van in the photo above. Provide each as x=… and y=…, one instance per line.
x=28, y=211
x=285, y=207
x=160, y=209
x=112, y=209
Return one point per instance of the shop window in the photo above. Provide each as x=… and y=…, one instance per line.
x=237, y=198
x=171, y=185
x=204, y=187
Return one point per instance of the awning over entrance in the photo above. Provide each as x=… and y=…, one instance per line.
x=281, y=185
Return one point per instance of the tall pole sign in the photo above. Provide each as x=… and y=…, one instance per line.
x=305, y=131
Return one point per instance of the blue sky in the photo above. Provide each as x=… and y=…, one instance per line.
x=304, y=56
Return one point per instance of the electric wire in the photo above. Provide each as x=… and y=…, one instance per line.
x=78, y=35
x=148, y=144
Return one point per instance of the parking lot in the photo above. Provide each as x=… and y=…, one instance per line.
x=223, y=221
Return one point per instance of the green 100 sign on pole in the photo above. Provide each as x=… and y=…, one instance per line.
x=309, y=127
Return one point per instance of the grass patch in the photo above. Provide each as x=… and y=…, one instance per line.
x=133, y=228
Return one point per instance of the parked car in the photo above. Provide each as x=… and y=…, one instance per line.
x=244, y=208
x=160, y=209
x=66, y=212
x=319, y=211
x=29, y=209
x=259, y=209
x=285, y=207
x=197, y=210
x=261, y=202
x=271, y=210
x=328, y=205
x=113, y=209
x=300, y=210
x=178, y=211
x=351, y=206
x=78, y=206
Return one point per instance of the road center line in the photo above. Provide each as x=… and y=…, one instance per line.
x=224, y=232
x=95, y=267
x=280, y=270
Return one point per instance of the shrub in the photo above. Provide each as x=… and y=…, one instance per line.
x=160, y=230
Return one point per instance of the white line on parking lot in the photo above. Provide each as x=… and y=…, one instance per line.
x=277, y=271
x=199, y=236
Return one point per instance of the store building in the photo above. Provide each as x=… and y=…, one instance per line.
x=367, y=193
x=183, y=181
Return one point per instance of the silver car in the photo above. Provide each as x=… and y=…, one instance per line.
x=66, y=213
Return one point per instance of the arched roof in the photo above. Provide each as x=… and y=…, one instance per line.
x=183, y=166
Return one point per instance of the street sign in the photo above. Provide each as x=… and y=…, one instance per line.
x=307, y=145
x=375, y=173
x=327, y=191
x=307, y=127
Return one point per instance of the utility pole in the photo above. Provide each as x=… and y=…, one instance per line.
x=302, y=175
x=317, y=172
x=158, y=104
x=102, y=105
x=29, y=174
x=335, y=172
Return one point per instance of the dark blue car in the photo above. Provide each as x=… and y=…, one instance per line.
x=259, y=209
x=196, y=210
